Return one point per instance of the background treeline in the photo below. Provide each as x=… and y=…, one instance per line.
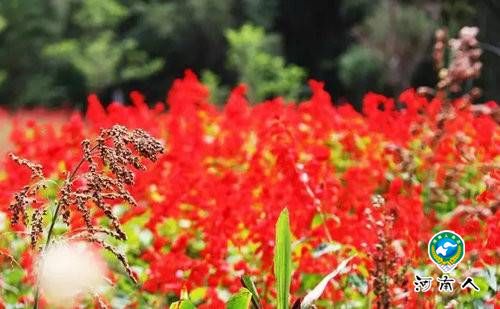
x=54, y=52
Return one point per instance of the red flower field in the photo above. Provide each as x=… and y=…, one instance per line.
x=375, y=185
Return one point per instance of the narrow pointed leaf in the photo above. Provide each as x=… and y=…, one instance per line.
x=282, y=259
x=312, y=296
x=240, y=300
x=250, y=285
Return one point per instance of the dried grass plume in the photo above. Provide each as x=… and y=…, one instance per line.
x=96, y=183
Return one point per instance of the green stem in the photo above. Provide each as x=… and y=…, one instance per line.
x=53, y=223
x=49, y=237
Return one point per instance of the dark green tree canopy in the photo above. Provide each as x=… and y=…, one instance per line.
x=55, y=52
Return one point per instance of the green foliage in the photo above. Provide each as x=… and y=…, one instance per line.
x=357, y=7
x=59, y=50
x=197, y=295
x=3, y=74
x=167, y=20
x=392, y=39
x=409, y=24
x=261, y=12
x=283, y=259
x=240, y=300
x=218, y=92
x=247, y=282
x=96, y=14
x=3, y=23
x=3, y=77
x=50, y=48
x=456, y=14
x=282, y=271
x=362, y=67
x=103, y=61
x=101, y=58
x=182, y=304
x=253, y=54
x=25, y=31
x=189, y=33
x=139, y=238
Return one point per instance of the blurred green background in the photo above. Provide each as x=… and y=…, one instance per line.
x=54, y=52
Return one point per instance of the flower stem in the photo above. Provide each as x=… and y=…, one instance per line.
x=49, y=237
x=53, y=223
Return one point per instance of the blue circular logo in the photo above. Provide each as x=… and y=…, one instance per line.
x=446, y=249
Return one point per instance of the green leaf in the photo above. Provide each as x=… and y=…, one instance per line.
x=3, y=23
x=182, y=304
x=482, y=283
x=250, y=285
x=3, y=78
x=96, y=14
x=169, y=227
x=254, y=55
x=282, y=259
x=240, y=300
x=197, y=295
x=137, y=236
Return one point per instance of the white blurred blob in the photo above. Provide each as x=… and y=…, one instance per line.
x=68, y=270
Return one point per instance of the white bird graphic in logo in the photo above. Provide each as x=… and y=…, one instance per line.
x=441, y=250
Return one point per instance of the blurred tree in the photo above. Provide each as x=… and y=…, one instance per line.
x=26, y=30
x=259, y=12
x=486, y=18
x=3, y=73
x=97, y=53
x=186, y=33
x=392, y=41
x=362, y=67
x=56, y=51
x=314, y=34
x=254, y=55
x=456, y=14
